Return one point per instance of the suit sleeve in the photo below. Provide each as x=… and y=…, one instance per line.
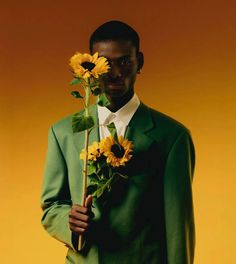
x=55, y=196
x=179, y=212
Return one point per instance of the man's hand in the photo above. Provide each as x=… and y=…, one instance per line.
x=80, y=216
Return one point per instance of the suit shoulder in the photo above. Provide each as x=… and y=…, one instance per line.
x=168, y=123
x=64, y=123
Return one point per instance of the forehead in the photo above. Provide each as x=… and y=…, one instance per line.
x=114, y=49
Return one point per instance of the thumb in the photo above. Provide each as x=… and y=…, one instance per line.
x=88, y=201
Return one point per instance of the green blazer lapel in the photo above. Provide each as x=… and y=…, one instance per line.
x=139, y=127
x=79, y=137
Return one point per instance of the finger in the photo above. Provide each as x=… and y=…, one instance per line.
x=77, y=223
x=77, y=230
x=89, y=201
x=79, y=216
x=80, y=209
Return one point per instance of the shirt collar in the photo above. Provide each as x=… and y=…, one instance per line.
x=124, y=114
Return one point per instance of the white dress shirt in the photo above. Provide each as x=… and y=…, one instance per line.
x=121, y=118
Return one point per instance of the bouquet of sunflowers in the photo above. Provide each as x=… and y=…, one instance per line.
x=105, y=158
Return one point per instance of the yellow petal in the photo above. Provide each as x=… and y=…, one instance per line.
x=87, y=57
x=95, y=56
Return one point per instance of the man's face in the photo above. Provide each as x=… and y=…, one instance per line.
x=124, y=63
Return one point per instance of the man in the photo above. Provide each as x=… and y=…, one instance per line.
x=149, y=219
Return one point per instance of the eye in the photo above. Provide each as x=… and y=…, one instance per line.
x=125, y=61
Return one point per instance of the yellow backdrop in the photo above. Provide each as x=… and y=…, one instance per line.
x=189, y=73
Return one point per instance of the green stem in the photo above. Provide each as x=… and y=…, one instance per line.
x=86, y=141
x=87, y=97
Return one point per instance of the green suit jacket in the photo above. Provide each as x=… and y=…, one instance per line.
x=148, y=219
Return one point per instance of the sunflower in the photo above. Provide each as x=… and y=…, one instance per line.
x=86, y=65
x=117, y=154
x=93, y=152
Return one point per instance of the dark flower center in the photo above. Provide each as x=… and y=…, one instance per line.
x=88, y=65
x=118, y=150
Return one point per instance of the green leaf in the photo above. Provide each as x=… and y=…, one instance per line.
x=91, y=169
x=76, y=81
x=81, y=123
x=103, y=186
x=103, y=100
x=98, y=187
x=76, y=94
x=101, y=189
x=112, y=129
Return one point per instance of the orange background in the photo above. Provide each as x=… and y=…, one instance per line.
x=189, y=74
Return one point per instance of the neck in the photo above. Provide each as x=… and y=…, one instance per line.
x=118, y=102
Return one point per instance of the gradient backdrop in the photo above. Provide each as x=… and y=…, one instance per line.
x=189, y=74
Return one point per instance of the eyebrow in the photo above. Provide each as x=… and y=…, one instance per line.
x=118, y=58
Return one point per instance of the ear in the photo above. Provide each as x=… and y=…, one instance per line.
x=140, y=59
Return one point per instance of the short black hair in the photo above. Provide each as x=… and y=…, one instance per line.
x=114, y=30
